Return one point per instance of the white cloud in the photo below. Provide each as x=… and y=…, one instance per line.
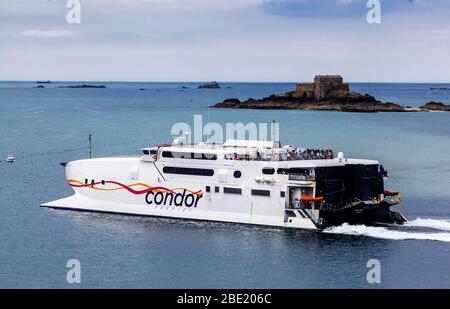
x=441, y=36
x=36, y=33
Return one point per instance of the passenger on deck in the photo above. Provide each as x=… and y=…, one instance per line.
x=258, y=156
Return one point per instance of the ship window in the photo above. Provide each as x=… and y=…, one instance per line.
x=103, y=182
x=189, y=155
x=152, y=151
x=208, y=189
x=217, y=189
x=290, y=214
x=293, y=170
x=268, y=171
x=282, y=194
x=145, y=151
x=232, y=190
x=237, y=174
x=86, y=181
x=188, y=171
x=260, y=192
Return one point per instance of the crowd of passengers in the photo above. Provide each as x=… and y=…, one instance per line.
x=285, y=154
x=309, y=154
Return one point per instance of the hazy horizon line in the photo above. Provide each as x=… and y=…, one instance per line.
x=219, y=81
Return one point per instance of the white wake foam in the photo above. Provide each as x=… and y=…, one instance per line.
x=384, y=233
x=430, y=223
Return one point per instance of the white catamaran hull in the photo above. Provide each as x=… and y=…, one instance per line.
x=131, y=186
x=78, y=202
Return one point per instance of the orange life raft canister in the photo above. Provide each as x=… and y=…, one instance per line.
x=306, y=198
x=389, y=193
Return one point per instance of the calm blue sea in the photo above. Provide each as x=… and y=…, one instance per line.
x=43, y=127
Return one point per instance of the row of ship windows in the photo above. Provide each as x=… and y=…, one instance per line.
x=236, y=174
x=182, y=155
x=189, y=155
x=194, y=171
x=229, y=190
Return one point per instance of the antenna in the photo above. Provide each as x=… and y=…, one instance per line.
x=90, y=146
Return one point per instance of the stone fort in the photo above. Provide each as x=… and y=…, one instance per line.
x=324, y=86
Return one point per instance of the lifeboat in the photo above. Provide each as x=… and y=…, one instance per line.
x=389, y=193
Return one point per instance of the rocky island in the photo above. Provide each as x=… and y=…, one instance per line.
x=211, y=85
x=329, y=93
x=435, y=106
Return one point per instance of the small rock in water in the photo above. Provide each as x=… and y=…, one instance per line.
x=211, y=85
x=83, y=86
x=435, y=106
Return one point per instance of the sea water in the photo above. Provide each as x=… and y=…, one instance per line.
x=43, y=127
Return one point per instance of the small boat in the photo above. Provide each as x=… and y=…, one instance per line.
x=10, y=158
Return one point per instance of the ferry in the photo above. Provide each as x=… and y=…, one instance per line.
x=239, y=181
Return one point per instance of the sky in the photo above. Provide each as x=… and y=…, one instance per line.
x=225, y=40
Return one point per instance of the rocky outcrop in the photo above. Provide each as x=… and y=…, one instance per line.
x=83, y=86
x=354, y=103
x=435, y=106
x=327, y=93
x=211, y=85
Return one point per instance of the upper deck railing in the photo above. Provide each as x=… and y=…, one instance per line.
x=282, y=154
x=214, y=152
